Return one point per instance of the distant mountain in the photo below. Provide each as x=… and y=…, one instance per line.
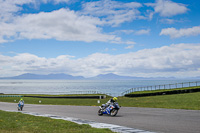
x=109, y=76
x=49, y=76
x=113, y=77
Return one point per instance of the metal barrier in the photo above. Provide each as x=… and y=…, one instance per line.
x=161, y=87
x=55, y=93
x=82, y=92
x=11, y=96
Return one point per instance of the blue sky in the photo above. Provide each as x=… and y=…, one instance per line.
x=155, y=38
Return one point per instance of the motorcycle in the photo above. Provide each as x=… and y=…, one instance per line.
x=112, y=109
x=20, y=106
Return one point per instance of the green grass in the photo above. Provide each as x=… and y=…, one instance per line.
x=63, y=95
x=55, y=101
x=11, y=122
x=189, y=101
x=16, y=122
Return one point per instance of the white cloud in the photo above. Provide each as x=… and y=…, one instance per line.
x=136, y=32
x=63, y=24
x=113, y=12
x=167, y=8
x=125, y=31
x=170, y=21
x=129, y=47
x=142, y=32
x=180, y=60
x=9, y=7
x=174, y=33
x=123, y=42
x=61, y=1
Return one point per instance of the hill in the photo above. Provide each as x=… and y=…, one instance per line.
x=49, y=76
x=109, y=76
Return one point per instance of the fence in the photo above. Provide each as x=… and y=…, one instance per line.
x=57, y=93
x=165, y=86
x=11, y=96
x=81, y=92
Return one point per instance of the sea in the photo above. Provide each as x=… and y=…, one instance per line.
x=55, y=87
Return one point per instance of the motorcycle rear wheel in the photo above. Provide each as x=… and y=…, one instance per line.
x=114, y=112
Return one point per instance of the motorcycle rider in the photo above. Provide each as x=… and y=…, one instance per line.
x=111, y=101
x=21, y=102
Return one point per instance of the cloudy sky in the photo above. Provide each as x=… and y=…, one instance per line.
x=89, y=37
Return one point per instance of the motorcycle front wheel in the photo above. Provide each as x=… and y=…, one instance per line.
x=114, y=112
x=100, y=112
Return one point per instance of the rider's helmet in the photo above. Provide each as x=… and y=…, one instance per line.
x=21, y=99
x=114, y=99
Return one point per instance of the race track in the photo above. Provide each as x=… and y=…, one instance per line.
x=148, y=119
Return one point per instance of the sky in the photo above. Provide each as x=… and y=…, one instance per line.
x=139, y=38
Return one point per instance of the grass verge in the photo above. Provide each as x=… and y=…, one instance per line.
x=190, y=101
x=12, y=122
x=56, y=101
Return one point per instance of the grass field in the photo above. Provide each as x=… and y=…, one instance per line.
x=17, y=122
x=55, y=101
x=189, y=101
x=12, y=122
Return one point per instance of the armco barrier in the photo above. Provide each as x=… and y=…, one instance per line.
x=74, y=97
x=11, y=96
x=164, y=86
x=164, y=93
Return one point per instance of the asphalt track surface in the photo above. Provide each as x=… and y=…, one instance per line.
x=148, y=119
